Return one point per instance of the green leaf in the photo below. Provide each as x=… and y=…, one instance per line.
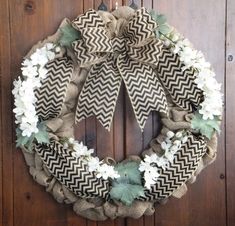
x=161, y=19
x=21, y=140
x=69, y=34
x=126, y=193
x=42, y=135
x=164, y=29
x=129, y=173
x=205, y=127
x=157, y=34
x=153, y=14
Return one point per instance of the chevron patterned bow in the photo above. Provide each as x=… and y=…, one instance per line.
x=129, y=57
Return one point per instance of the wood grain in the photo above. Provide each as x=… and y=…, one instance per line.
x=209, y=202
x=6, y=118
x=196, y=20
x=230, y=111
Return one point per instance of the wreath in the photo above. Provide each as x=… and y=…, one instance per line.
x=77, y=73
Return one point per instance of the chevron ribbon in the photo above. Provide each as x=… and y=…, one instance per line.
x=179, y=171
x=51, y=94
x=71, y=171
x=180, y=84
x=126, y=58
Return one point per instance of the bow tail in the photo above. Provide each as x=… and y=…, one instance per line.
x=99, y=93
x=144, y=89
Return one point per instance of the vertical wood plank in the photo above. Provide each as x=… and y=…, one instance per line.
x=230, y=111
x=133, y=143
x=80, y=129
x=6, y=118
x=133, y=135
x=197, y=21
x=119, y=128
x=33, y=25
x=149, y=127
x=104, y=137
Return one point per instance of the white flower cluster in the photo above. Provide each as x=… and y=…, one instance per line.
x=151, y=164
x=205, y=78
x=101, y=169
x=33, y=71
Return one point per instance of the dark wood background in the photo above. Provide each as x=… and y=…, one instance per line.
x=209, y=202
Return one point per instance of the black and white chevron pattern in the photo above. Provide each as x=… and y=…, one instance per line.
x=179, y=171
x=140, y=27
x=84, y=58
x=144, y=89
x=147, y=53
x=118, y=44
x=99, y=94
x=71, y=171
x=89, y=19
x=180, y=84
x=96, y=40
x=51, y=95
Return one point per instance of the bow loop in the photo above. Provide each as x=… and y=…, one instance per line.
x=89, y=19
x=140, y=28
x=95, y=41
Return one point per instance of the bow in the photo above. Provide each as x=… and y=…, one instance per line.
x=129, y=57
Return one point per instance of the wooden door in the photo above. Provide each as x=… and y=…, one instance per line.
x=209, y=202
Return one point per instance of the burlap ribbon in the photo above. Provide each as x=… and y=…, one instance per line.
x=129, y=57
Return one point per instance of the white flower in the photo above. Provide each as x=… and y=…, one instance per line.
x=169, y=156
x=57, y=49
x=50, y=55
x=93, y=164
x=71, y=140
x=175, y=148
x=184, y=139
x=28, y=129
x=39, y=57
x=81, y=150
x=179, y=134
x=106, y=171
x=170, y=134
x=144, y=166
x=49, y=46
x=42, y=72
x=150, y=176
x=162, y=162
x=165, y=146
x=66, y=146
x=17, y=84
x=29, y=71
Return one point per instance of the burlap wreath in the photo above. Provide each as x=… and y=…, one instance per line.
x=100, y=208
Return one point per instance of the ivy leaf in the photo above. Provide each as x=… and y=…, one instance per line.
x=205, y=127
x=129, y=173
x=21, y=140
x=164, y=29
x=69, y=34
x=126, y=193
x=153, y=14
x=42, y=135
x=161, y=19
